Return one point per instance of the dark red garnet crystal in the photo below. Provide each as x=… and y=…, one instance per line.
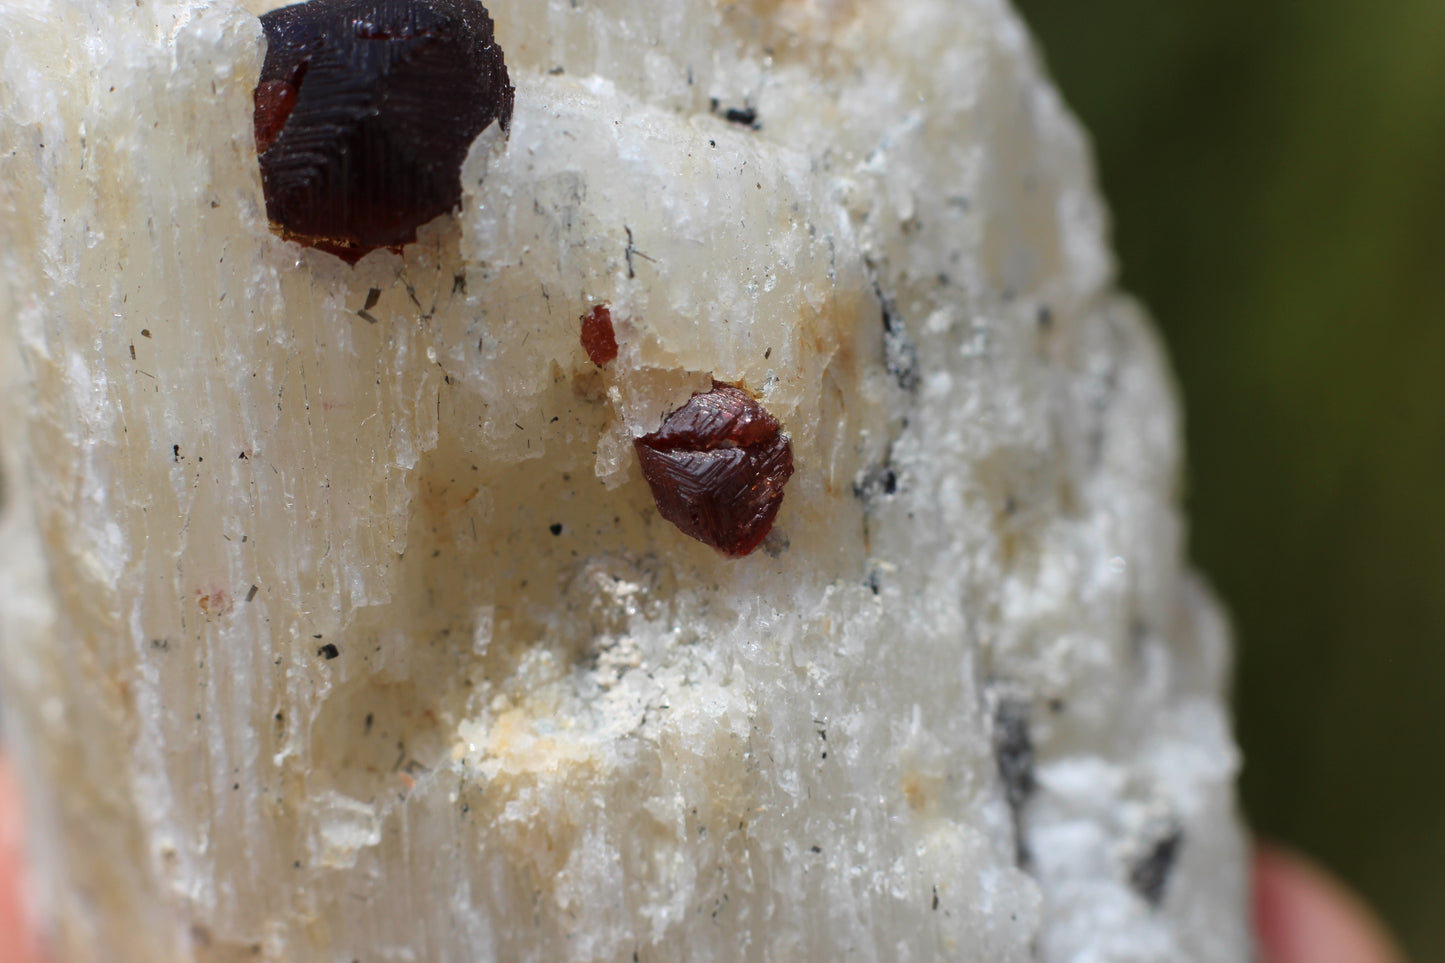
x=365, y=111
x=717, y=468
x=598, y=338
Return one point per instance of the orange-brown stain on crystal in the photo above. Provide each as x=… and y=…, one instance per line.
x=598, y=338
x=717, y=468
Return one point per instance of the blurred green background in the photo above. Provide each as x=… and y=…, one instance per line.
x=1276, y=171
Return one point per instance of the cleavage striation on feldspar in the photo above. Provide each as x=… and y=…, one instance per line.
x=339, y=621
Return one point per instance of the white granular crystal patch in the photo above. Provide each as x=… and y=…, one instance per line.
x=339, y=623
x=343, y=827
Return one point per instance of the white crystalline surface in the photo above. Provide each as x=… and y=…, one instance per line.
x=964, y=704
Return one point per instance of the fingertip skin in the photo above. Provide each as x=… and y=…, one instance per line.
x=1304, y=915
x=18, y=941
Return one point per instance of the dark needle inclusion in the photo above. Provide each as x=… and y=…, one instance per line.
x=717, y=468
x=365, y=110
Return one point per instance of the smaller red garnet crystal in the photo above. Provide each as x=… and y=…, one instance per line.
x=717, y=468
x=598, y=338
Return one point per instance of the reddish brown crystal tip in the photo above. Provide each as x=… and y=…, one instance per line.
x=717, y=468
x=275, y=99
x=598, y=338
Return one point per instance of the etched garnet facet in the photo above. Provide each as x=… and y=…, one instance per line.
x=364, y=112
x=717, y=468
x=598, y=338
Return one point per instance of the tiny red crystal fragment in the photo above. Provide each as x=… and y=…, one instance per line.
x=598, y=338
x=717, y=468
x=364, y=112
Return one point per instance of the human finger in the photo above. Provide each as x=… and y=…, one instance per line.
x=1304, y=915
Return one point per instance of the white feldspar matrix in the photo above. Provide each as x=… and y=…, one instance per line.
x=340, y=623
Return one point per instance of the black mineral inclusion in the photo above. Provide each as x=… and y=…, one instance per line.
x=365, y=111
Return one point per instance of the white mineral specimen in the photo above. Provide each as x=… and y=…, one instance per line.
x=964, y=704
